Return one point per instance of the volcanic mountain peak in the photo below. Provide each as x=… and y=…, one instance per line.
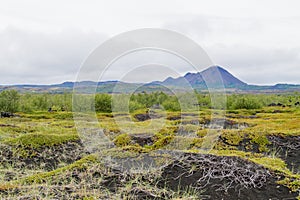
x=214, y=76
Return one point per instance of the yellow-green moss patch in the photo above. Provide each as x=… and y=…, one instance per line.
x=36, y=140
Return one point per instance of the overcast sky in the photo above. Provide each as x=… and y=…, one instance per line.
x=43, y=42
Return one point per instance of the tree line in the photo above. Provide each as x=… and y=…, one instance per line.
x=13, y=101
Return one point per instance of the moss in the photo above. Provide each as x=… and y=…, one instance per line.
x=163, y=141
x=197, y=142
x=170, y=130
x=122, y=140
x=237, y=153
x=114, y=129
x=81, y=164
x=163, y=137
x=27, y=145
x=261, y=140
x=173, y=116
x=232, y=137
x=180, y=143
x=201, y=132
x=37, y=140
x=276, y=164
x=293, y=184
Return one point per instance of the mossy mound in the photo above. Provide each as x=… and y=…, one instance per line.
x=37, y=140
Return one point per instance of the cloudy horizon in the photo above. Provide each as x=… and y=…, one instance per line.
x=46, y=42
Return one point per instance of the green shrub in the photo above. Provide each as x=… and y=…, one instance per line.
x=9, y=101
x=134, y=106
x=103, y=103
x=171, y=105
x=246, y=103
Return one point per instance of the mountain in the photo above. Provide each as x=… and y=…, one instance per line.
x=214, y=77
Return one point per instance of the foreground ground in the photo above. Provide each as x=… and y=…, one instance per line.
x=256, y=156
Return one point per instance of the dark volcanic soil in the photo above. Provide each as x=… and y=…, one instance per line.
x=288, y=149
x=224, y=178
x=285, y=147
x=212, y=177
x=46, y=158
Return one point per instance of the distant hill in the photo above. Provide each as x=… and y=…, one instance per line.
x=214, y=77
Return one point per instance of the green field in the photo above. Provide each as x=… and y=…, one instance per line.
x=255, y=142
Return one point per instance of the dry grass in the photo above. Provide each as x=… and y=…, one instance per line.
x=89, y=178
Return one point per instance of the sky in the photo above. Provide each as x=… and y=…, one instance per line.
x=46, y=42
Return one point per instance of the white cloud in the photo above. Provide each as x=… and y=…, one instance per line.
x=46, y=41
x=36, y=57
x=258, y=51
x=257, y=65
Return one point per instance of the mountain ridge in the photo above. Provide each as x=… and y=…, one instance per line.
x=214, y=77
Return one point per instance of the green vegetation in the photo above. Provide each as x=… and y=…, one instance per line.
x=122, y=140
x=9, y=101
x=42, y=177
x=35, y=132
x=103, y=103
x=37, y=140
x=12, y=101
x=245, y=103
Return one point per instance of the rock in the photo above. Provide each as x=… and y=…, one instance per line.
x=272, y=104
x=142, y=139
x=174, y=118
x=142, y=117
x=7, y=114
x=150, y=114
x=224, y=124
x=278, y=104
